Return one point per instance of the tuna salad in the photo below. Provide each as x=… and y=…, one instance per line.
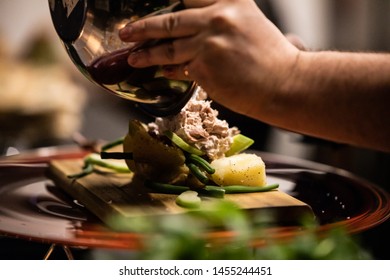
x=198, y=124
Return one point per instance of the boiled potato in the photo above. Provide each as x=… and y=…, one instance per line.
x=241, y=169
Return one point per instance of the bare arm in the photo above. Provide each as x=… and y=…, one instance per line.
x=344, y=97
x=244, y=62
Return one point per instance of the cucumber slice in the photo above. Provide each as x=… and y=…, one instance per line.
x=240, y=143
x=188, y=199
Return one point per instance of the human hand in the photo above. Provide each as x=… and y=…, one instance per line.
x=227, y=46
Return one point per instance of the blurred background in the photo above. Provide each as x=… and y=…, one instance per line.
x=45, y=101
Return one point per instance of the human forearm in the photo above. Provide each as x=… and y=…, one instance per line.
x=343, y=97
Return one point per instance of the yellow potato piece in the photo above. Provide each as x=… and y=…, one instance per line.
x=241, y=169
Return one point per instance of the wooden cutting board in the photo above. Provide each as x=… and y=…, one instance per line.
x=107, y=194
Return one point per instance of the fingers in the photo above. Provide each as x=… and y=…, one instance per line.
x=178, y=24
x=172, y=25
x=184, y=26
x=171, y=52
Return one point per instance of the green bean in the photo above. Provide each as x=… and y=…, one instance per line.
x=200, y=162
x=197, y=173
x=87, y=169
x=113, y=144
x=211, y=191
x=248, y=189
x=165, y=188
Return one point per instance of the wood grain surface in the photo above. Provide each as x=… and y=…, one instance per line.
x=107, y=194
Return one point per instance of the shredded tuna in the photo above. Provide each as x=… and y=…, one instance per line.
x=198, y=125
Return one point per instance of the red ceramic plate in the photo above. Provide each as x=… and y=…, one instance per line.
x=33, y=208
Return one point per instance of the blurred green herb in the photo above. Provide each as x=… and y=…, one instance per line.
x=185, y=237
